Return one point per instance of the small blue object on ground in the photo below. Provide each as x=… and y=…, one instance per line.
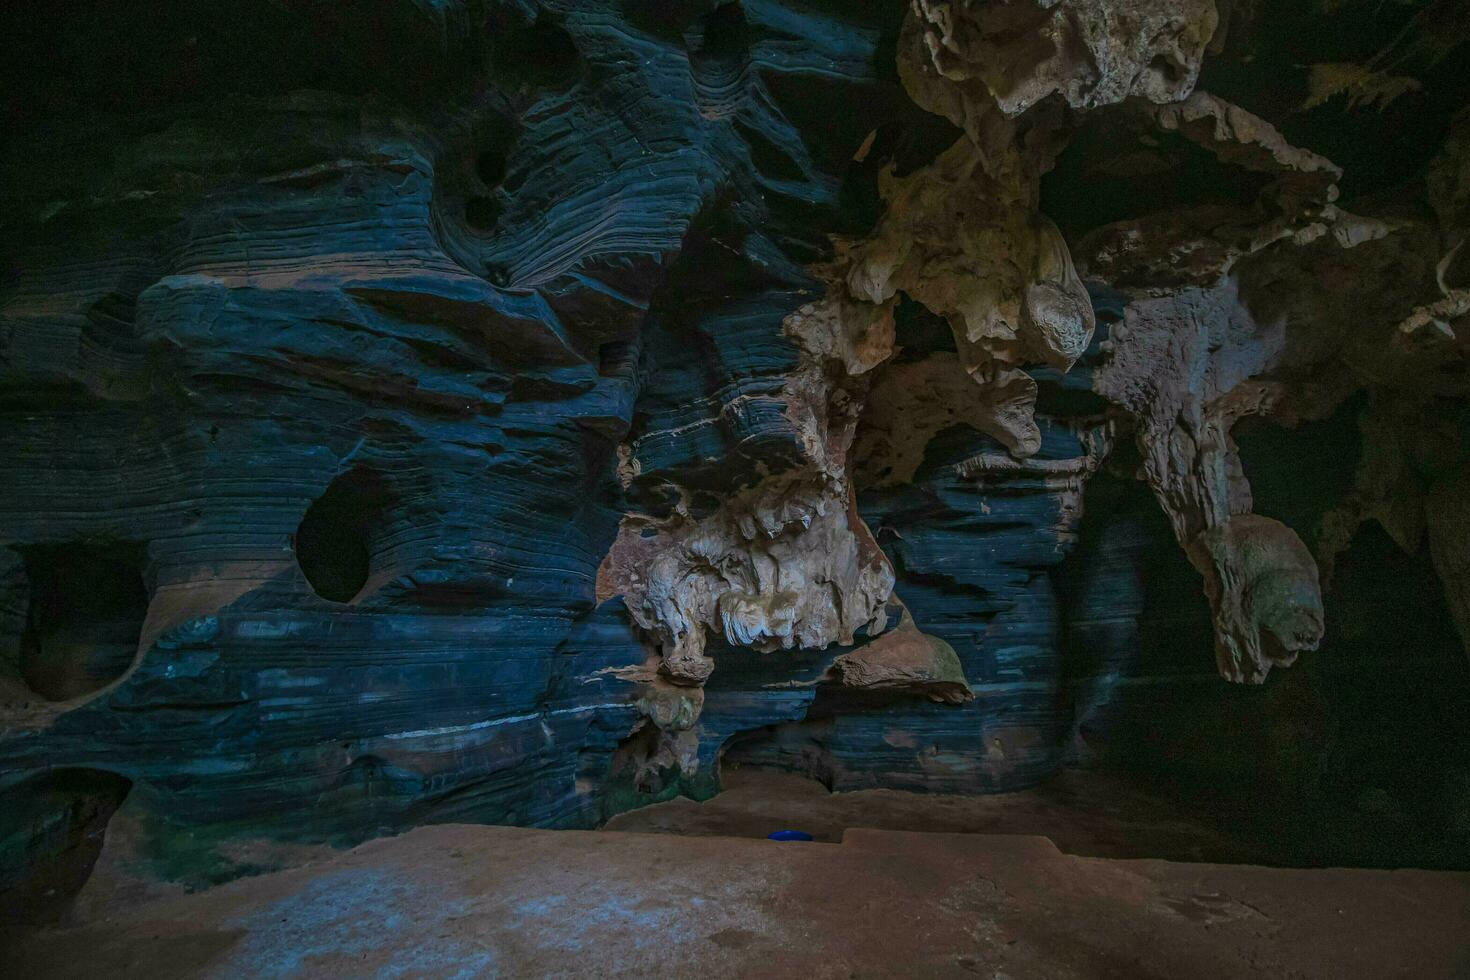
x=790, y=835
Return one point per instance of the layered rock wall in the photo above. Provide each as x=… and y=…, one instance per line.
x=498, y=411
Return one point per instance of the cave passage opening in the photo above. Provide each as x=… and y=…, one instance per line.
x=52, y=828
x=335, y=541
x=85, y=615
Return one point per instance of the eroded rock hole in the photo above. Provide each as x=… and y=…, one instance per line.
x=719, y=53
x=482, y=213
x=726, y=32
x=495, y=149
x=649, y=766
x=617, y=358
x=1296, y=473
x=51, y=831
x=334, y=543
x=490, y=167
x=86, y=612
x=1165, y=69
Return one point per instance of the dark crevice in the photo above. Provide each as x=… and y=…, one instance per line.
x=334, y=543
x=495, y=148
x=87, y=606
x=1267, y=71
x=52, y=828
x=1297, y=474
x=482, y=213
x=1363, y=741
x=725, y=33
x=542, y=55
x=771, y=160
x=618, y=358
x=1112, y=171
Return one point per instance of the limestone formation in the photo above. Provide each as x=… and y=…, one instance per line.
x=1088, y=52
x=910, y=403
x=1262, y=583
x=772, y=570
x=970, y=249
x=905, y=659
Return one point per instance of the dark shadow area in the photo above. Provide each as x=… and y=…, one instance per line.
x=1115, y=170
x=51, y=832
x=1298, y=474
x=482, y=213
x=1266, y=69
x=646, y=768
x=65, y=60
x=1132, y=607
x=799, y=750
x=496, y=143
x=1359, y=755
x=724, y=34
x=87, y=606
x=334, y=543
x=1092, y=814
x=541, y=55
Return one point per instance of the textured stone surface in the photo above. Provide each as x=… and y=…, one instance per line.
x=498, y=411
x=445, y=901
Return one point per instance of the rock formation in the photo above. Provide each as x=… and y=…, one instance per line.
x=500, y=411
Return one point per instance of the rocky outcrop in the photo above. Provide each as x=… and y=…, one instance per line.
x=777, y=570
x=338, y=373
x=1089, y=53
x=905, y=659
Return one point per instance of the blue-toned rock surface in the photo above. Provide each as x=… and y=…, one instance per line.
x=339, y=361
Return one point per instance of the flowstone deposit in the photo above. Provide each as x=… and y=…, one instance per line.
x=503, y=411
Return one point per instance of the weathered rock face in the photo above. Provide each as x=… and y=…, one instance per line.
x=497, y=411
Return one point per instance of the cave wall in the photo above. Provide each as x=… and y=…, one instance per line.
x=1341, y=761
x=267, y=334
x=502, y=411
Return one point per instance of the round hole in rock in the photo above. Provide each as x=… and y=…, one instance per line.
x=334, y=543
x=1166, y=69
x=718, y=54
x=482, y=212
x=87, y=606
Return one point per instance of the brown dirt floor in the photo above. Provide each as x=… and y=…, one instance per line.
x=474, y=901
x=1093, y=814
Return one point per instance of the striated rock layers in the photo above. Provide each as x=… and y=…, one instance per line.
x=499, y=411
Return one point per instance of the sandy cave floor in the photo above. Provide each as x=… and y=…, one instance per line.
x=688, y=893
x=1091, y=814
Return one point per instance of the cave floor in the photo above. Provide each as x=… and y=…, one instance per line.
x=473, y=901
x=1087, y=813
